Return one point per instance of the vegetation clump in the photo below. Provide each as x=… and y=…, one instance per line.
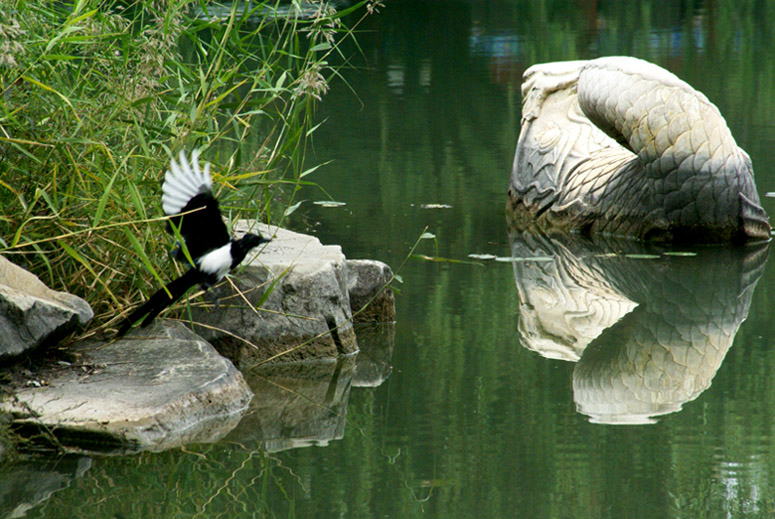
x=97, y=95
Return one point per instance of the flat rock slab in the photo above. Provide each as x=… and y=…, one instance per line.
x=157, y=388
x=31, y=314
x=301, y=287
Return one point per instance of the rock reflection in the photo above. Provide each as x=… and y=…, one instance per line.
x=304, y=404
x=294, y=405
x=373, y=363
x=297, y=405
x=27, y=484
x=648, y=330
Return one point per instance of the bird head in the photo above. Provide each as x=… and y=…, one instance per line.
x=250, y=240
x=241, y=247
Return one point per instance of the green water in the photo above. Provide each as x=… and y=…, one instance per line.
x=467, y=416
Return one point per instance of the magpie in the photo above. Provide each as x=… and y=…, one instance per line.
x=193, y=210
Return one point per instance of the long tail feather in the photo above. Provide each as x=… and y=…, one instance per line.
x=161, y=300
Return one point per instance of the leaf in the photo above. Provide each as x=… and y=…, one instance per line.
x=641, y=256
x=313, y=169
x=329, y=203
x=271, y=287
x=24, y=141
x=134, y=194
x=318, y=125
x=55, y=39
x=104, y=201
x=48, y=200
x=321, y=46
x=680, y=254
x=61, y=96
x=531, y=259
x=181, y=242
x=435, y=206
x=143, y=256
x=281, y=81
x=77, y=19
x=226, y=93
x=80, y=259
x=439, y=259
x=290, y=210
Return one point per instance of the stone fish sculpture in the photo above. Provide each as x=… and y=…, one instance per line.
x=620, y=146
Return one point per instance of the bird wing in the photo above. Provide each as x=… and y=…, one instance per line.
x=189, y=188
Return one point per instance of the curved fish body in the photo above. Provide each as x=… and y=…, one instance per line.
x=621, y=146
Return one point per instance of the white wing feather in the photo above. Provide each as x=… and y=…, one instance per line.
x=183, y=181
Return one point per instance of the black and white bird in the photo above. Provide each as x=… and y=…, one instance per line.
x=189, y=201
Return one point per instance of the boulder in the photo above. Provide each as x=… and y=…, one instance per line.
x=31, y=314
x=291, y=303
x=370, y=299
x=156, y=388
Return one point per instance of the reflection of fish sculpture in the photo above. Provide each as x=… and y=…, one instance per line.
x=562, y=309
x=620, y=146
x=648, y=335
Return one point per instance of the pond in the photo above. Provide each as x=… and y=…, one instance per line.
x=571, y=380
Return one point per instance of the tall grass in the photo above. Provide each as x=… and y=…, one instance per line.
x=96, y=95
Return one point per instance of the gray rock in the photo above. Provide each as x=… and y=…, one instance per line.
x=620, y=146
x=31, y=314
x=370, y=300
x=157, y=388
x=306, y=314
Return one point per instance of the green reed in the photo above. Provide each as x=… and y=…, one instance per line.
x=97, y=95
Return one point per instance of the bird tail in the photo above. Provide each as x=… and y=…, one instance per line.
x=163, y=298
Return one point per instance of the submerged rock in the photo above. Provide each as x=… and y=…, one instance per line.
x=292, y=303
x=31, y=314
x=159, y=387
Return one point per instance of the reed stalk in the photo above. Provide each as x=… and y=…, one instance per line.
x=97, y=95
